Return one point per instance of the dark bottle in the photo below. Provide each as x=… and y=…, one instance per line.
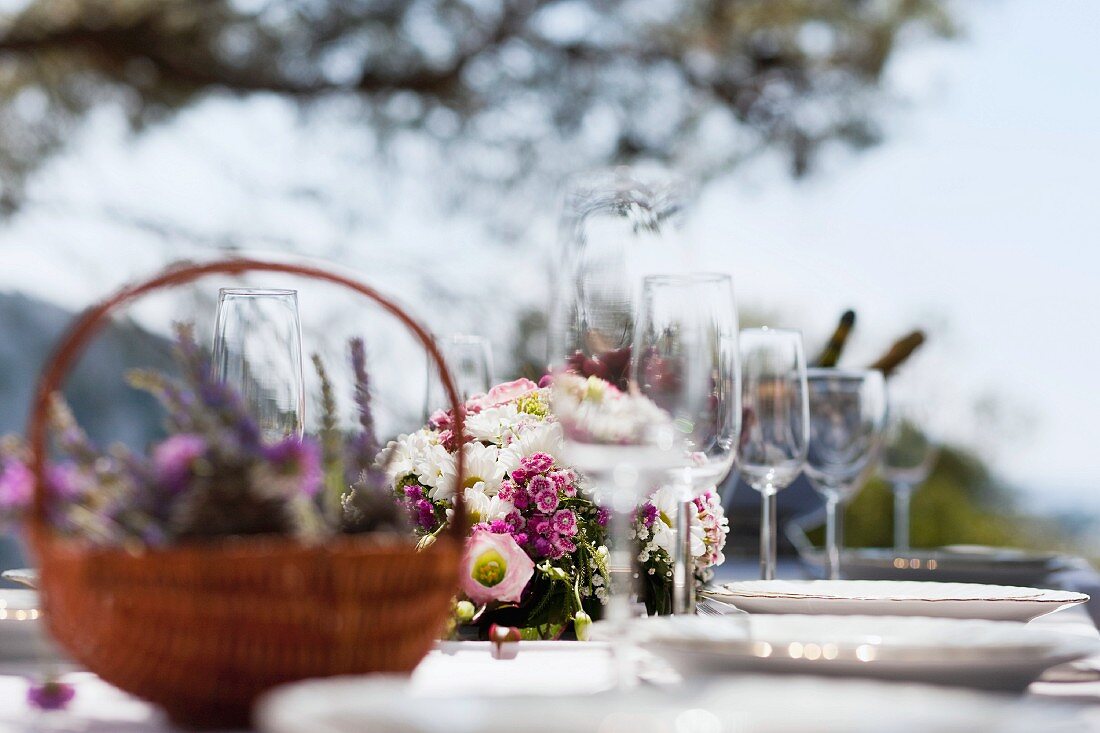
x=830, y=355
x=902, y=349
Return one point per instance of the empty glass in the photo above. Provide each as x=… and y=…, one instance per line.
x=470, y=359
x=616, y=227
x=775, y=423
x=847, y=413
x=258, y=350
x=686, y=363
x=908, y=456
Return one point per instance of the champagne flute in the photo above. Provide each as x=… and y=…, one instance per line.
x=258, y=351
x=686, y=363
x=908, y=457
x=470, y=359
x=847, y=415
x=616, y=226
x=775, y=427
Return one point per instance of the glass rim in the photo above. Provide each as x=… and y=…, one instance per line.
x=687, y=278
x=255, y=292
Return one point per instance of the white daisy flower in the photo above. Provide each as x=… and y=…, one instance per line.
x=493, y=424
x=484, y=508
x=540, y=437
x=483, y=468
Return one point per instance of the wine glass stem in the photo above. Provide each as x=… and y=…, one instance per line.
x=683, y=580
x=767, y=534
x=621, y=566
x=834, y=533
x=903, y=494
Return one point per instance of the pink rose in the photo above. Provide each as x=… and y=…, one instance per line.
x=495, y=568
x=502, y=393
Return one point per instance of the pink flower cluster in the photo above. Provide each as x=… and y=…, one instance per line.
x=419, y=506
x=540, y=524
x=715, y=528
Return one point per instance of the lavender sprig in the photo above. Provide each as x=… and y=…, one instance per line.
x=362, y=395
x=332, y=443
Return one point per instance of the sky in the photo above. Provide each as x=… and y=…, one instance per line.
x=976, y=219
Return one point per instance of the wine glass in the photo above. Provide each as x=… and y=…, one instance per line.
x=847, y=415
x=775, y=424
x=616, y=226
x=470, y=359
x=908, y=456
x=258, y=350
x=685, y=361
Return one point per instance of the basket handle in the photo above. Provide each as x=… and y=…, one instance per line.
x=86, y=325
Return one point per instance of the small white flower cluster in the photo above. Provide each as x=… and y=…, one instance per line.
x=595, y=411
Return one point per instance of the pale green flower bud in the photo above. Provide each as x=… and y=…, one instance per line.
x=464, y=612
x=582, y=625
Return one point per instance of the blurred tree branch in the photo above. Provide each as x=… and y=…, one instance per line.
x=665, y=79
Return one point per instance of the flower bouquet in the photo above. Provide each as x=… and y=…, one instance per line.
x=536, y=556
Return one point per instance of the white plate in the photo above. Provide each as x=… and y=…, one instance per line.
x=952, y=564
x=22, y=637
x=894, y=598
x=23, y=576
x=747, y=704
x=990, y=655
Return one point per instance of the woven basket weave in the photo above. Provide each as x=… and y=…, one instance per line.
x=203, y=629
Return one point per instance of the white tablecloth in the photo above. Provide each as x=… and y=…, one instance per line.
x=563, y=667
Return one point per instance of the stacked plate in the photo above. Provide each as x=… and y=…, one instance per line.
x=21, y=634
x=952, y=564
x=988, y=655
x=894, y=598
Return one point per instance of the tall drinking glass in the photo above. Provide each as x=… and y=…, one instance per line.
x=908, y=456
x=616, y=226
x=847, y=416
x=686, y=363
x=775, y=424
x=470, y=358
x=258, y=350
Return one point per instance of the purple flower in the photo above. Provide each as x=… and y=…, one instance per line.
x=519, y=476
x=507, y=490
x=547, y=501
x=545, y=381
x=564, y=522
x=299, y=458
x=521, y=500
x=543, y=546
x=498, y=526
x=563, y=544
x=515, y=520
x=540, y=525
x=425, y=514
x=602, y=516
x=520, y=537
x=50, y=695
x=539, y=485
x=537, y=463
x=65, y=480
x=649, y=514
x=16, y=486
x=174, y=458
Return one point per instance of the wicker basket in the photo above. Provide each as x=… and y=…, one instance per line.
x=203, y=629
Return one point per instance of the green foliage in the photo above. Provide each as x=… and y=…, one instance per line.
x=727, y=78
x=959, y=504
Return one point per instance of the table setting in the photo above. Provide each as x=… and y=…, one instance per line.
x=534, y=555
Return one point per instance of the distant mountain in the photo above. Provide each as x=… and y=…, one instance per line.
x=105, y=406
